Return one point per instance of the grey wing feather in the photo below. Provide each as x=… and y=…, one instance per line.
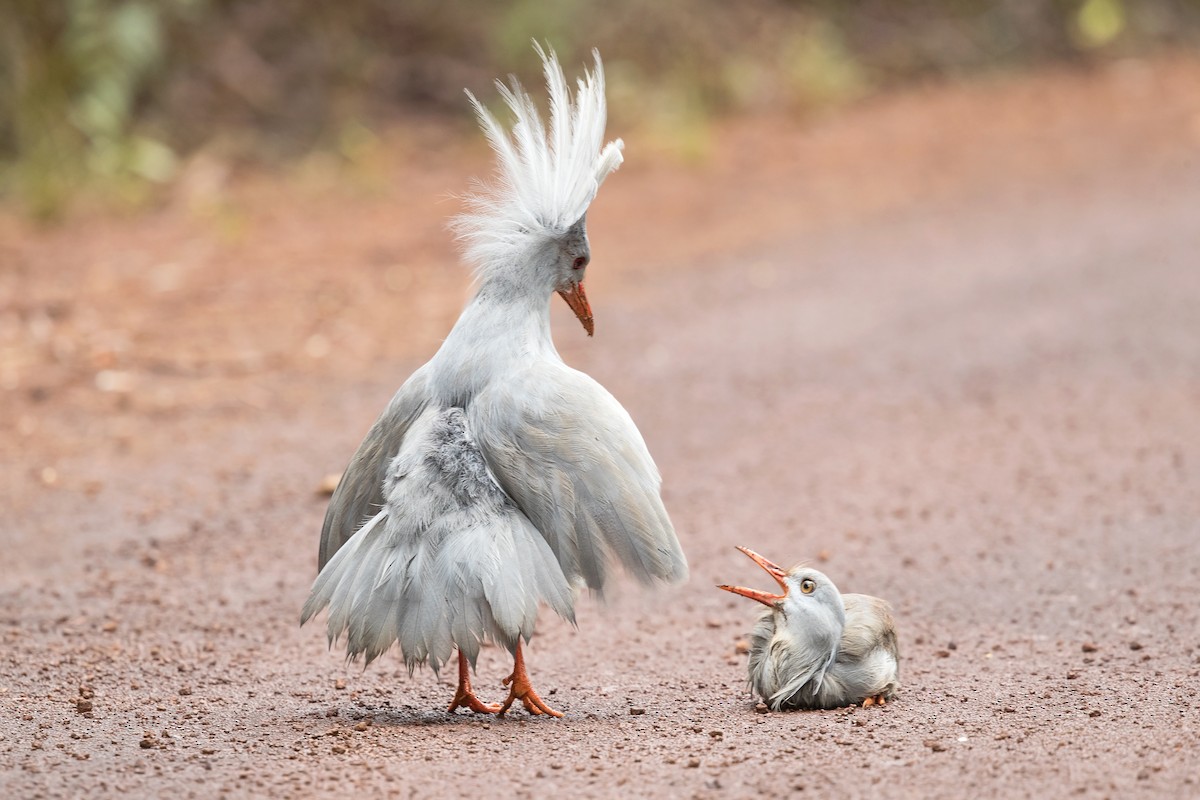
x=869, y=625
x=569, y=456
x=359, y=494
x=868, y=661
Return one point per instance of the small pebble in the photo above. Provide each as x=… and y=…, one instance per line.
x=693, y=763
x=184, y=691
x=1135, y=645
x=83, y=705
x=761, y=708
x=340, y=683
x=1095, y=712
x=935, y=745
x=1089, y=647
x=337, y=749
x=637, y=712
x=741, y=647
x=146, y=743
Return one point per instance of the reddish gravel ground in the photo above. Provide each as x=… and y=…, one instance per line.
x=945, y=344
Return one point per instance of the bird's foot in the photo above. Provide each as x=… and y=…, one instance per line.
x=464, y=697
x=877, y=700
x=521, y=689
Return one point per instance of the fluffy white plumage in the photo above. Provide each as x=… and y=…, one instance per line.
x=449, y=562
x=545, y=180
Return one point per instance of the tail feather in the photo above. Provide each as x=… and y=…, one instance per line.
x=458, y=583
x=330, y=577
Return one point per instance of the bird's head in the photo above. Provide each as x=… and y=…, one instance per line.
x=569, y=257
x=807, y=598
x=528, y=227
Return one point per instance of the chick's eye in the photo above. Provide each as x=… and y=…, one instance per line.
x=579, y=263
x=807, y=585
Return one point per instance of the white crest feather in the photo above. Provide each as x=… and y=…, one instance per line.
x=545, y=180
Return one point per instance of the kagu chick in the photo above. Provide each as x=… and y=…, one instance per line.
x=815, y=647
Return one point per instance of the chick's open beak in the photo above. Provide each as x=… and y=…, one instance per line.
x=578, y=302
x=774, y=570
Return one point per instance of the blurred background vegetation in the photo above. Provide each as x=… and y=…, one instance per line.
x=111, y=97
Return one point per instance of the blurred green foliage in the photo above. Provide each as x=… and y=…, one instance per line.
x=74, y=73
x=113, y=93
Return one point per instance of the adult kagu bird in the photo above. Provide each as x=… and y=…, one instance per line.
x=817, y=648
x=499, y=478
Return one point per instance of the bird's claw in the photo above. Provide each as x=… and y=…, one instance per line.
x=534, y=704
x=877, y=700
x=469, y=701
x=521, y=688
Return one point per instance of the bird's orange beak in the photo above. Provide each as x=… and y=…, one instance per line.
x=578, y=302
x=774, y=570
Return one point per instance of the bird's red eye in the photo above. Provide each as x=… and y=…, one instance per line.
x=579, y=263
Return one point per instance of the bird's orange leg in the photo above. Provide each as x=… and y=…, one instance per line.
x=521, y=689
x=466, y=698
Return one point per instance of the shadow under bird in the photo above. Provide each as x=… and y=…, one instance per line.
x=499, y=478
x=815, y=647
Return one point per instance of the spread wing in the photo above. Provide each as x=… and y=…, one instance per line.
x=570, y=458
x=359, y=494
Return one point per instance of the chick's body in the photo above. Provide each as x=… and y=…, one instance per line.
x=865, y=661
x=814, y=647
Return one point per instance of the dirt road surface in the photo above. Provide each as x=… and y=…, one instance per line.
x=944, y=344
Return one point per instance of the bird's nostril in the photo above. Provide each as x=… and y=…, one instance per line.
x=579, y=263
